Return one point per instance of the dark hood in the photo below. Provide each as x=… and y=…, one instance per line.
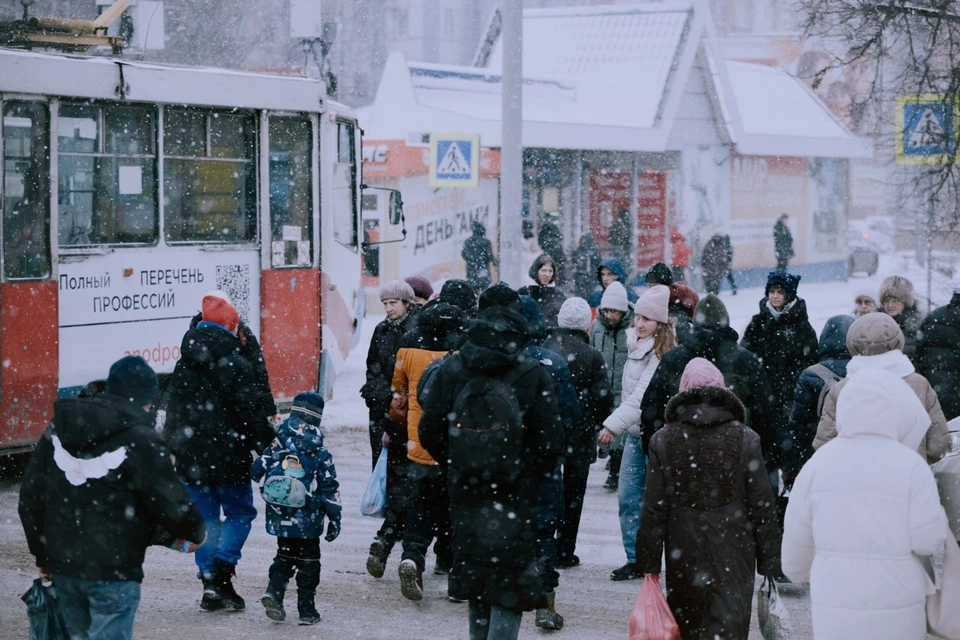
x=206, y=345
x=797, y=314
x=478, y=229
x=613, y=265
x=440, y=326
x=705, y=340
x=297, y=435
x=833, y=338
x=82, y=424
x=495, y=340
x=536, y=325
x=705, y=407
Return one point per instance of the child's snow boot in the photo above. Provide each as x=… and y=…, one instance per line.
x=308, y=578
x=280, y=573
x=411, y=580
x=549, y=618
x=377, y=562
x=223, y=581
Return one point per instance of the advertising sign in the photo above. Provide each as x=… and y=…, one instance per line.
x=141, y=304
x=651, y=218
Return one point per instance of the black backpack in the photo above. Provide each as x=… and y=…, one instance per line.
x=486, y=433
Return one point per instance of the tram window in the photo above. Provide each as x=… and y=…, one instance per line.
x=106, y=175
x=210, y=177
x=291, y=190
x=345, y=214
x=26, y=190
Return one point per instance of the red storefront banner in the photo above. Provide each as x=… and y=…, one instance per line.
x=610, y=193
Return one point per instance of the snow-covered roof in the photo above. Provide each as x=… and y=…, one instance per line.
x=620, y=58
x=613, y=78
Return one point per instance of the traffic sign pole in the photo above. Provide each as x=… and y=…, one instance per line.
x=511, y=146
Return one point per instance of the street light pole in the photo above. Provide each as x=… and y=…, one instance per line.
x=511, y=144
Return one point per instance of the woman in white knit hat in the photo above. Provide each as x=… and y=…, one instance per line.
x=651, y=336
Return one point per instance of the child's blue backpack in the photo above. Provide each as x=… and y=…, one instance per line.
x=289, y=480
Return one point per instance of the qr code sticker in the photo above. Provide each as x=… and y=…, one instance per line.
x=234, y=280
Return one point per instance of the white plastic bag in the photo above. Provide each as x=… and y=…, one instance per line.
x=772, y=614
x=374, y=502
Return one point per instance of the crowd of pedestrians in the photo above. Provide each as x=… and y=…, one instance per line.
x=490, y=403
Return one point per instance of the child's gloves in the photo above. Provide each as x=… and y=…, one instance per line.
x=333, y=530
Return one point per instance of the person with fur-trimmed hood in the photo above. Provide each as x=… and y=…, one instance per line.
x=298, y=459
x=876, y=342
x=899, y=301
x=708, y=508
x=543, y=271
x=782, y=337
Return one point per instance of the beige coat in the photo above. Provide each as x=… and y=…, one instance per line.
x=937, y=441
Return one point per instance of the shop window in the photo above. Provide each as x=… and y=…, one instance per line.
x=210, y=176
x=26, y=189
x=345, y=214
x=291, y=191
x=106, y=175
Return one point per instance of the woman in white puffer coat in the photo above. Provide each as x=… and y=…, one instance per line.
x=651, y=336
x=862, y=512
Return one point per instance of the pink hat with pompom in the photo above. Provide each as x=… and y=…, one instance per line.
x=700, y=372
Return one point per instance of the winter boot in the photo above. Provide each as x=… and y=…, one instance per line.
x=549, y=618
x=223, y=581
x=411, y=580
x=280, y=573
x=308, y=578
x=377, y=562
x=211, y=600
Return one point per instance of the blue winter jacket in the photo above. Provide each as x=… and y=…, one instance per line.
x=567, y=399
x=802, y=426
x=296, y=437
x=616, y=266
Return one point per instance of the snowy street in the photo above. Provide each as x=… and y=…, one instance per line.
x=355, y=605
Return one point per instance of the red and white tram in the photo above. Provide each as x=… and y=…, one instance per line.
x=130, y=189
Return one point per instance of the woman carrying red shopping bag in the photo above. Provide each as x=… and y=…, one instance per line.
x=708, y=494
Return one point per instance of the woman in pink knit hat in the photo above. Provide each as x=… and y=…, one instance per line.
x=709, y=501
x=651, y=336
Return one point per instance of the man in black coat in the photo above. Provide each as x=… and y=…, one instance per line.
x=99, y=485
x=938, y=353
x=713, y=339
x=808, y=395
x=215, y=419
x=591, y=380
x=477, y=252
x=782, y=242
x=494, y=519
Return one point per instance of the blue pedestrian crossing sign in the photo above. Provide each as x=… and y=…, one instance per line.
x=926, y=129
x=454, y=160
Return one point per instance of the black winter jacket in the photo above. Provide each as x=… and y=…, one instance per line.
x=910, y=321
x=381, y=358
x=786, y=346
x=477, y=252
x=550, y=300
x=804, y=417
x=98, y=486
x=938, y=355
x=494, y=525
x=708, y=504
x=741, y=370
x=589, y=372
x=215, y=417
x=251, y=350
